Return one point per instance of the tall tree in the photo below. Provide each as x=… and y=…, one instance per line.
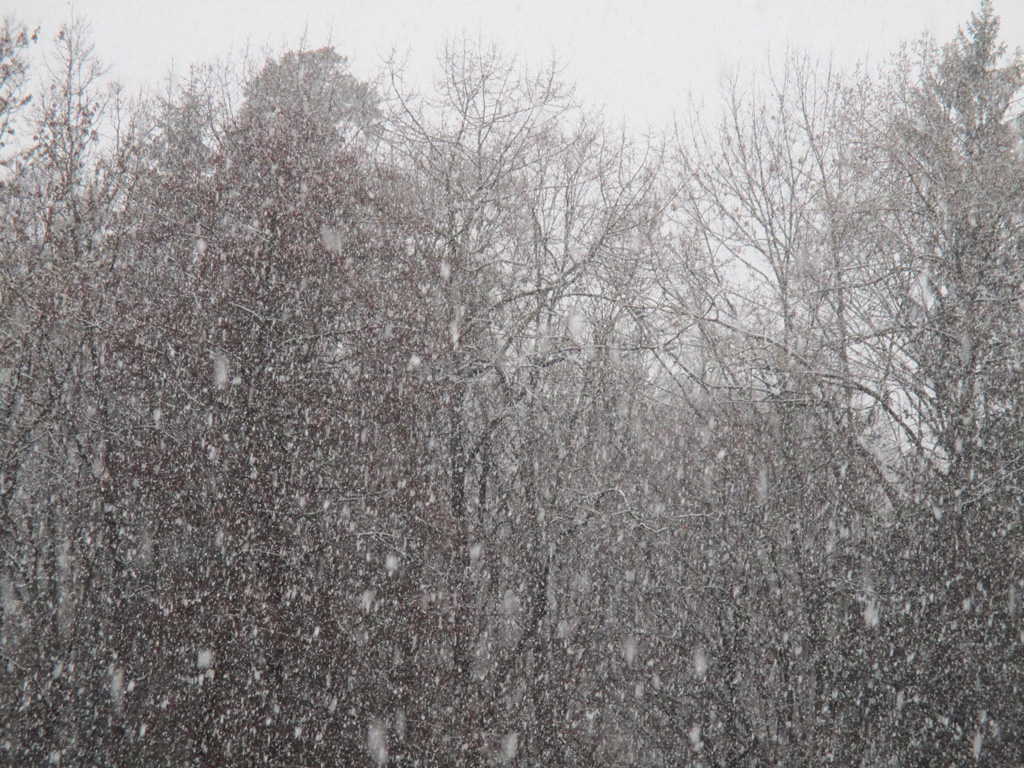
x=956, y=193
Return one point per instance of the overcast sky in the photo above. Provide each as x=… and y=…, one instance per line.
x=639, y=59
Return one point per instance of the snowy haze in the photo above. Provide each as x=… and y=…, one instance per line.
x=455, y=424
x=640, y=60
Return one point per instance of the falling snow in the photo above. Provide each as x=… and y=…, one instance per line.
x=345, y=424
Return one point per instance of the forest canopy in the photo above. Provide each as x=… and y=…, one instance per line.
x=344, y=424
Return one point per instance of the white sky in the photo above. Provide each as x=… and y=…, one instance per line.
x=639, y=59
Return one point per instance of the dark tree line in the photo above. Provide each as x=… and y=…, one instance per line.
x=342, y=424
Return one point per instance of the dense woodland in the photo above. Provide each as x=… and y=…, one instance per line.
x=344, y=424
